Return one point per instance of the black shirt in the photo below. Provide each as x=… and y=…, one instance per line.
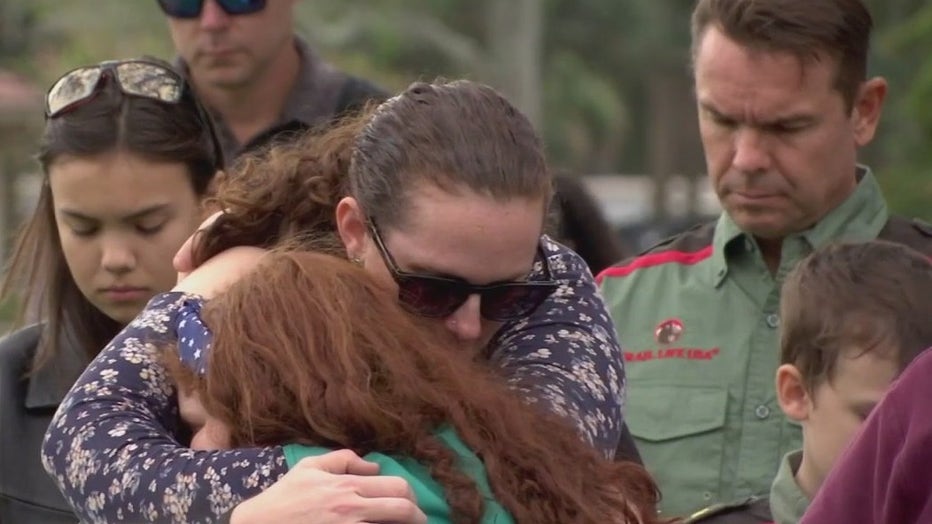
x=27, y=403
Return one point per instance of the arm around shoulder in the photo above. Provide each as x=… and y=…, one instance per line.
x=117, y=427
x=566, y=355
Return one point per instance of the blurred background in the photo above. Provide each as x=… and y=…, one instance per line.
x=607, y=82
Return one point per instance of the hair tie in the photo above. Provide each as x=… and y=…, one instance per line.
x=194, y=337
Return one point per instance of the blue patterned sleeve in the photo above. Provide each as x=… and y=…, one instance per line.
x=566, y=355
x=111, y=447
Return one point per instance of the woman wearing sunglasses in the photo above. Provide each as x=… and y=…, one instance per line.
x=127, y=157
x=441, y=192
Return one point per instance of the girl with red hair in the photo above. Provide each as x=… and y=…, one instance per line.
x=356, y=371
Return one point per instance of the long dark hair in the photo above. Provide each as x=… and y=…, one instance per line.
x=110, y=121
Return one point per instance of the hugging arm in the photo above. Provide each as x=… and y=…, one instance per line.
x=566, y=355
x=112, y=450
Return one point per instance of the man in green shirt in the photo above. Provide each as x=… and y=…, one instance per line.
x=854, y=316
x=784, y=105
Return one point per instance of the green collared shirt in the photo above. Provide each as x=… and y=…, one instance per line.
x=699, y=318
x=787, y=500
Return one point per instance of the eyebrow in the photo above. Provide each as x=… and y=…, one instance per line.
x=799, y=118
x=144, y=212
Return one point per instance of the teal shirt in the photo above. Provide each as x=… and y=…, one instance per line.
x=429, y=493
x=699, y=319
x=787, y=500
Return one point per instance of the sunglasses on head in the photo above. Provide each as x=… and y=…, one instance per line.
x=438, y=297
x=192, y=8
x=134, y=78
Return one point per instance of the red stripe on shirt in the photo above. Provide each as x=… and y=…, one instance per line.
x=657, y=259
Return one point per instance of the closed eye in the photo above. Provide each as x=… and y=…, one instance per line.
x=787, y=128
x=81, y=227
x=83, y=231
x=724, y=121
x=150, y=229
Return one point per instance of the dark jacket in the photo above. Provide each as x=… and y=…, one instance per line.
x=27, y=493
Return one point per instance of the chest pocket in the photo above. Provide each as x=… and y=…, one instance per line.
x=679, y=431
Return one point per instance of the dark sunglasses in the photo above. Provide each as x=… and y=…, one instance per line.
x=134, y=78
x=438, y=297
x=192, y=8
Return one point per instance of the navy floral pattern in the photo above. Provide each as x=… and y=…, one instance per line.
x=112, y=446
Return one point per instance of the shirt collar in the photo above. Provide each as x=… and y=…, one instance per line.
x=787, y=500
x=48, y=385
x=316, y=93
x=312, y=100
x=858, y=218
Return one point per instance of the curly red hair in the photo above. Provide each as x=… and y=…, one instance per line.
x=311, y=349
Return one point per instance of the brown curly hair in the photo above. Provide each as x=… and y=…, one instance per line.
x=284, y=194
x=358, y=372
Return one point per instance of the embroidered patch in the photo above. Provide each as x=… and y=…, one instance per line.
x=669, y=331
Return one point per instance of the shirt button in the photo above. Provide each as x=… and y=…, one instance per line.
x=773, y=320
x=762, y=412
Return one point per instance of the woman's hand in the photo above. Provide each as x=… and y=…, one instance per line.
x=184, y=258
x=336, y=488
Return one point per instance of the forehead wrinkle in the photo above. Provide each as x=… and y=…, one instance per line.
x=723, y=84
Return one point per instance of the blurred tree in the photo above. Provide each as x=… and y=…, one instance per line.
x=19, y=109
x=501, y=46
x=586, y=120
x=513, y=35
x=607, y=81
x=69, y=34
x=902, y=149
x=642, y=50
x=512, y=45
x=17, y=25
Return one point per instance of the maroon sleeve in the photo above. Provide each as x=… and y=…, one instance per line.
x=885, y=476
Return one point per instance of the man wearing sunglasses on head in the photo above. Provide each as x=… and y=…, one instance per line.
x=258, y=78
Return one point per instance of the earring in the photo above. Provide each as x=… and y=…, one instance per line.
x=357, y=261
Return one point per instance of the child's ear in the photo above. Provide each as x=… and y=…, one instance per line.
x=792, y=394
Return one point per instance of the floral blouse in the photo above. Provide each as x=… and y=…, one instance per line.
x=113, y=446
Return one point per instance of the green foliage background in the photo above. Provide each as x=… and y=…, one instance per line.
x=600, y=60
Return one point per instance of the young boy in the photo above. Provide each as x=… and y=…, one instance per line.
x=853, y=316
x=884, y=476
